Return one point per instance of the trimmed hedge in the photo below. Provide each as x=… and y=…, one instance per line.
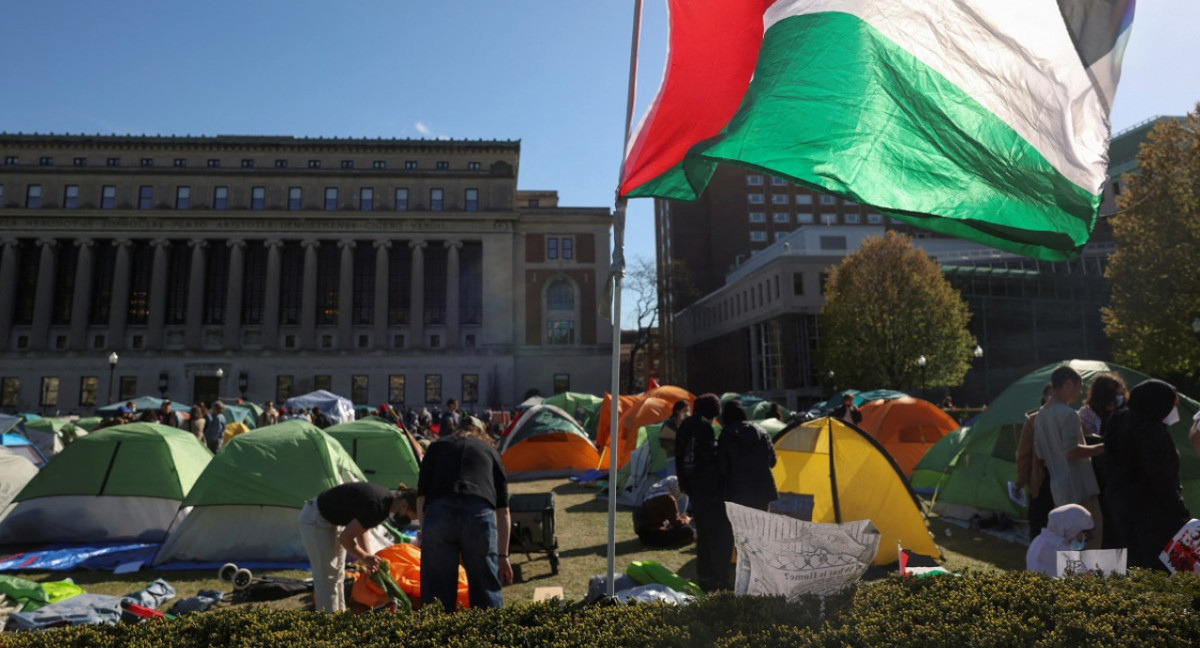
x=1006, y=609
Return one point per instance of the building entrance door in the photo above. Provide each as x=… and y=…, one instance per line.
x=206, y=389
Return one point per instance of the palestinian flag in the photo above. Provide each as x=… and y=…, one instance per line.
x=981, y=119
x=915, y=564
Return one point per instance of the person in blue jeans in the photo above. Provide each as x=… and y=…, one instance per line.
x=462, y=504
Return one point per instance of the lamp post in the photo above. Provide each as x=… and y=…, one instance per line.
x=112, y=368
x=243, y=383
x=220, y=375
x=921, y=362
x=831, y=383
x=163, y=382
x=978, y=353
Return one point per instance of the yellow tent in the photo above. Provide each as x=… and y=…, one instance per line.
x=849, y=477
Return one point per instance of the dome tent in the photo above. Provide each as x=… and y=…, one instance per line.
x=848, y=476
x=119, y=483
x=245, y=504
x=968, y=472
x=547, y=441
x=906, y=427
x=380, y=449
x=15, y=472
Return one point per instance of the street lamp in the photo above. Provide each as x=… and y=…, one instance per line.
x=921, y=362
x=220, y=375
x=163, y=381
x=978, y=352
x=112, y=368
x=243, y=383
x=831, y=383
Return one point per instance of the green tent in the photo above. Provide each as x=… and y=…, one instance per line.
x=380, y=449
x=757, y=408
x=585, y=408
x=244, y=506
x=968, y=471
x=119, y=483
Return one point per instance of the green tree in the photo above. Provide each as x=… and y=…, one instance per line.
x=887, y=305
x=1154, y=275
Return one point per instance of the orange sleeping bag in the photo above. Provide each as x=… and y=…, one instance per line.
x=404, y=561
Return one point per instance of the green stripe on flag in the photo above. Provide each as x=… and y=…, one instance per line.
x=837, y=106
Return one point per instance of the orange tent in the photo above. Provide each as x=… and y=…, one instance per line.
x=547, y=441
x=633, y=412
x=906, y=427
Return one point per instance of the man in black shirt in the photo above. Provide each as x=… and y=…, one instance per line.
x=462, y=502
x=335, y=523
x=700, y=479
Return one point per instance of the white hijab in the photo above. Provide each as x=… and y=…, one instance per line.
x=1064, y=523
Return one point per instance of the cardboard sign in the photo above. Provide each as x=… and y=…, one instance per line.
x=1100, y=562
x=1182, y=553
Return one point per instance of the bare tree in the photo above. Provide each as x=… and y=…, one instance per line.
x=641, y=284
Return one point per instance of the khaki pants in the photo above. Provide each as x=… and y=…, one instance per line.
x=327, y=557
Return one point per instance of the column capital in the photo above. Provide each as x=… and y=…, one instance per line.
x=122, y=243
x=197, y=243
x=236, y=243
x=453, y=245
x=9, y=241
x=160, y=243
x=82, y=243
x=310, y=243
x=273, y=243
x=418, y=244
x=346, y=243
x=382, y=244
x=47, y=242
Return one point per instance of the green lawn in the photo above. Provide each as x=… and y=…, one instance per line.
x=582, y=529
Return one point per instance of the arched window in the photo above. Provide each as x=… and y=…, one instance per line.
x=560, y=312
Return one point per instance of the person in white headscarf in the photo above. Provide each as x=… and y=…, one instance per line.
x=1068, y=528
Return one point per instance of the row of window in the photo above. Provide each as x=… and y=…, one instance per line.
x=258, y=198
x=563, y=248
x=89, y=389
x=246, y=163
x=807, y=217
x=801, y=199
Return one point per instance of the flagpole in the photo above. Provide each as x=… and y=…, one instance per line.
x=617, y=273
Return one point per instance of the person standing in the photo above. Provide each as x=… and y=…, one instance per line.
x=1144, y=493
x=462, y=504
x=1058, y=441
x=669, y=432
x=1031, y=473
x=214, y=429
x=199, y=421
x=169, y=416
x=269, y=416
x=746, y=456
x=700, y=479
x=448, y=421
x=847, y=411
x=335, y=523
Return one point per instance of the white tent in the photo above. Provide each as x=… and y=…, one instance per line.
x=337, y=408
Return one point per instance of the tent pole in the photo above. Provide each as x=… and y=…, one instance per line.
x=837, y=506
x=617, y=273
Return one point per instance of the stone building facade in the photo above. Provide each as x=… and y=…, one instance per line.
x=399, y=271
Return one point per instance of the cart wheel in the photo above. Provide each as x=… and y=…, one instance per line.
x=242, y=579
x=554, y=563
x=226, y=572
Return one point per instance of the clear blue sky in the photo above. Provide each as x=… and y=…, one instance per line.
x=551, y=73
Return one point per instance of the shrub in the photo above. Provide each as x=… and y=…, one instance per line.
x=1004, y=609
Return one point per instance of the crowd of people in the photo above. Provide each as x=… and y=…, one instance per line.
x=1105, y=476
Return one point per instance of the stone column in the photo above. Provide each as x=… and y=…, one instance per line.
x=195, y=306
x=308, y=301
x=43, y=305
x=346, y=296
x=157, y=316
x=381, y=293
x=452, y=305
x=81, y=302
x=233, y=294
x=416, y=318
x=118, y=312
x=8, y=287
x=271, y=295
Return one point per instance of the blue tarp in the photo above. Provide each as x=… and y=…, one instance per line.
x=109, y=556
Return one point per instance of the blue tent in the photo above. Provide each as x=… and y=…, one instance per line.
x=24, y=447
